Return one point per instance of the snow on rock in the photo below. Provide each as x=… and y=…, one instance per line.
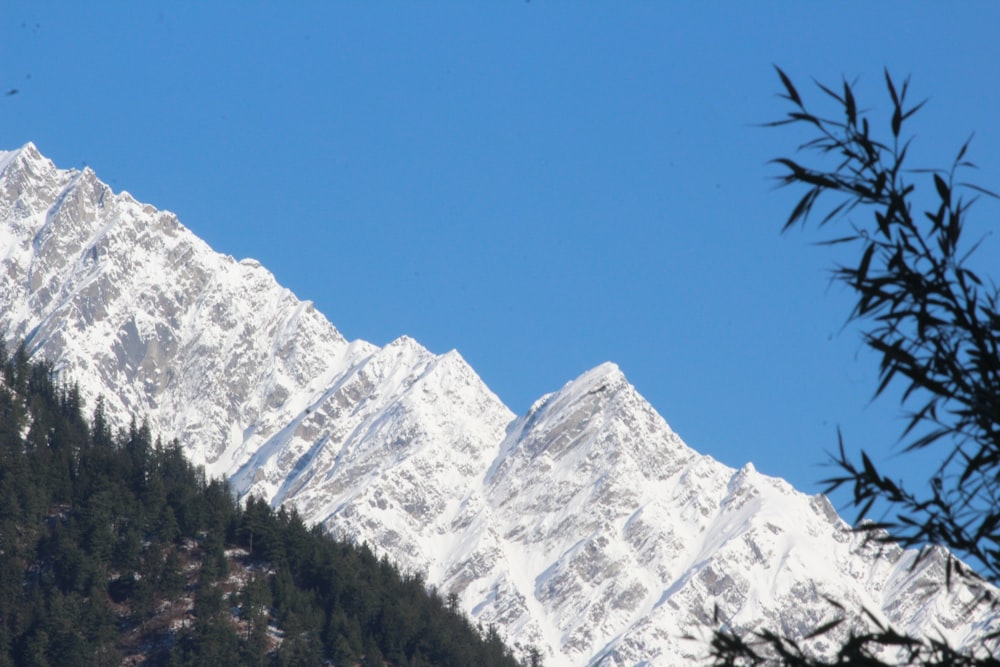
x=585, y=528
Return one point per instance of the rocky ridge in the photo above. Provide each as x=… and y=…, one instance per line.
x=586, y=527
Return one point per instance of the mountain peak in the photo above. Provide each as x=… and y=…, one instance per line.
x=26, y=160
x=586, y=527
x=599, y=378
x=600, y=383
x=28, y=152
x=603, y=369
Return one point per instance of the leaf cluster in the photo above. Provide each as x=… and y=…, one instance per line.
x=932, y=321
x=867, y=649
x=933, y=324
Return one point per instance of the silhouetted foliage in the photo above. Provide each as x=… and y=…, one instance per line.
x=934, y=325
x=105, y=540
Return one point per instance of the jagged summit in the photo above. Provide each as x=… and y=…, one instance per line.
x=27, y=153
x=585, y=527
x=128, y=296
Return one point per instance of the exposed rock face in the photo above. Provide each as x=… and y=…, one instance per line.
x=586, y=528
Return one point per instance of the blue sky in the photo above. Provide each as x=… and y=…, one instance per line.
x=543, y=186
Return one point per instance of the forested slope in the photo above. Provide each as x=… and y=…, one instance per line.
x=114, y=549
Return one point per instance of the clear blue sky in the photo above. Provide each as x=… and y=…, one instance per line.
x=542, y=185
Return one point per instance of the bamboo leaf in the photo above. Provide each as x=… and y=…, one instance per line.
x=793, y=94
x=863, y=512
x=962, y=151
x=866, y=261
x=849, y=106
x=914, y=110
x=839, y=240
x=892, y=88
x=801, y=210
x=943, y=191
x=973, y=186
x=823, y=629
x=829, y=92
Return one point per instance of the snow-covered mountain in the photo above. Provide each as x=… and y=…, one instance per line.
x=586, y=528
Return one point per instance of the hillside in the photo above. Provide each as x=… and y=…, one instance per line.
x=586, y=528
x=115, y=549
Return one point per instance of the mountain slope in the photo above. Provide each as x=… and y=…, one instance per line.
x=586, y=528
x=117, y=551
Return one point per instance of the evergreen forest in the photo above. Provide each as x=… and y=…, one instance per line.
x=114, y=550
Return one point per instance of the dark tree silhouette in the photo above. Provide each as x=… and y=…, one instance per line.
x=934, y=324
